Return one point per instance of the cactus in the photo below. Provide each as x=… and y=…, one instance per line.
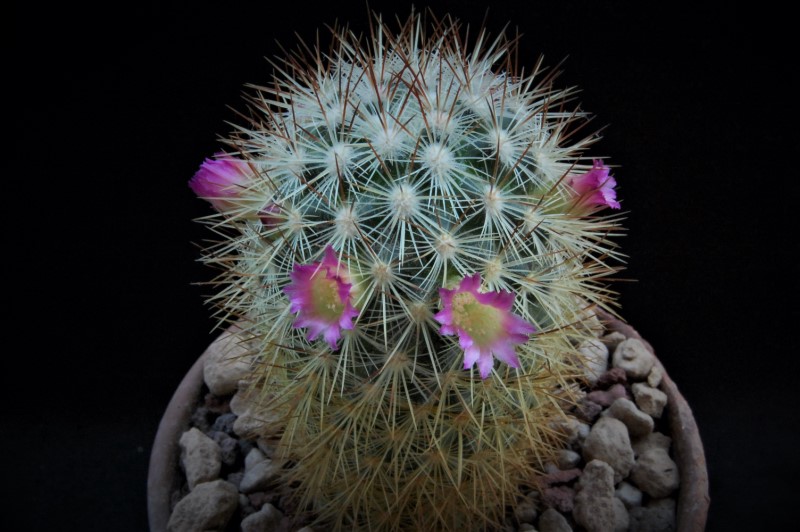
x=395, y=214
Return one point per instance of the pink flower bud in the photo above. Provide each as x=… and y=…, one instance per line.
x=221, y=180
x=595, y=187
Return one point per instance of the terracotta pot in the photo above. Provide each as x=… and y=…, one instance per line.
x=693, y=499
x=162, y=475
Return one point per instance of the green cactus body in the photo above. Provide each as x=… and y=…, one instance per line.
x=419, y=163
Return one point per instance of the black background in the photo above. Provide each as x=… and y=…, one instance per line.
x=114, y=109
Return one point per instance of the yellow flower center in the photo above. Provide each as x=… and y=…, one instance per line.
x=483, y=323
x=325, y=297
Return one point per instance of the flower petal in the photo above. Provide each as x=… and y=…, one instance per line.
x=332, y=336
x=485, y=363
x=506, y=353
x=471, y=355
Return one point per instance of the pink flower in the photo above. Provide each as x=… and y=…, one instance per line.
x=320, y=292
x=484, y=324
x=595, y=187
x=221, y=179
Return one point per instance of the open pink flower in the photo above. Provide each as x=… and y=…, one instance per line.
x=595, y=187
x=222, y=179
x=484, y=324
x=320, y=292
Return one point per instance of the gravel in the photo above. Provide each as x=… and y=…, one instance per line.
x=618, y=441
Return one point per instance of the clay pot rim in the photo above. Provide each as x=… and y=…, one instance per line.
x=161, y=479
x=693, y=497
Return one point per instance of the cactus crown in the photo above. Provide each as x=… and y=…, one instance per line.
x=395, y=211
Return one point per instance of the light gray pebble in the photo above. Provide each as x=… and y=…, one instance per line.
x=550, y=468
x=268, y=518
x=583, y=432
x=227, y=361
x=632, y=356
x=609, y=441
x=252, y=458
x=621, y=517
x=594, y=360
x=567, y=459
x=552, y=521
x=247, y=424
x=655, y=376
x=650, y=400
x=596, y=508
x=597, y=480
x=655, y=473
x=613, y=339
x=654, y=440
x=657, y=516
x=201, y=457
x=207, y=507
x=630, y=495
x=638, y=423
x=259, y=472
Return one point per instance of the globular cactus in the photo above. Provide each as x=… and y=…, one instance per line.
x=396, y=213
